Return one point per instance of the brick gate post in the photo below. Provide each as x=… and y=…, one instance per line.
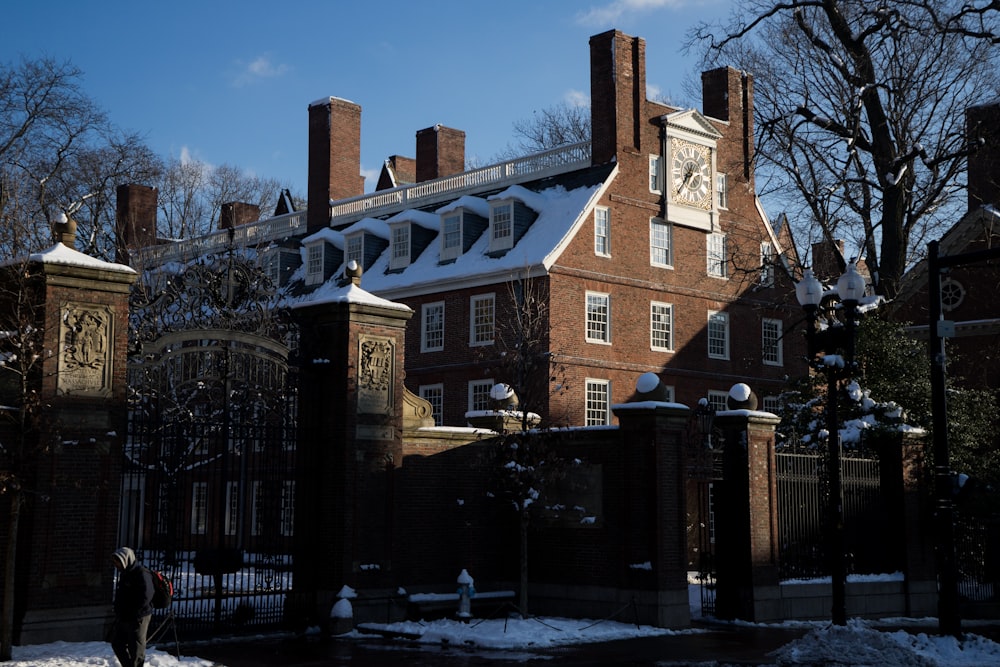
x=746, y=517
x=653, y=516
x=69, y=522
x=350, y=444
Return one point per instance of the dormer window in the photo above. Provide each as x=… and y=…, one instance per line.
x=400, y=246
x=314, y=263
x=451, y=239
x=355, y=249
x=501, y=225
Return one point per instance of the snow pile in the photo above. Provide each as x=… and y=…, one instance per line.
x=858, y=644
x=90, y=654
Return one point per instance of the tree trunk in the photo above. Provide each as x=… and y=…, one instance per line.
x=524, y=565
x=7, y=612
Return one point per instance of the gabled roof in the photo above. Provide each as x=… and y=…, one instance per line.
x=692, y=122
x=563, y=203
x=953, y=242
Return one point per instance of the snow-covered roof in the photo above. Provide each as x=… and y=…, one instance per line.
x=350, y=293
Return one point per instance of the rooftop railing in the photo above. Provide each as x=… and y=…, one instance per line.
x=530, y=167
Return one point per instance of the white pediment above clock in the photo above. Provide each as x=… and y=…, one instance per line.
x=692, y=125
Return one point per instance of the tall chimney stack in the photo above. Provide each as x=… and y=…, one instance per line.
x=727, y=94
x=334, y=157
x=617, y=93
x=440, y=152
x=135, y=219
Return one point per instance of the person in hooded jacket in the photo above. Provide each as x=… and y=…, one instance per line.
x=132, y=607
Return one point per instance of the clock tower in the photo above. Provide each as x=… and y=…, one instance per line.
x=691, y=176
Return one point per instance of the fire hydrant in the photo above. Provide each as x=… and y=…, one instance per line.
x=466, y=591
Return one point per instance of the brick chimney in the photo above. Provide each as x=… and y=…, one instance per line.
x=236, y=213
x=334, y=157
x=727, y=94
x=440, y=152
x=135, y=219
x=617, y=93
x=983, y=127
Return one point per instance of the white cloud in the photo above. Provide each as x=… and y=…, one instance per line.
x=261, y=67
x=577, y=98
x=613, y=11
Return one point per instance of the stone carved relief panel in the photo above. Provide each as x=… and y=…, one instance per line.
x=85, y=349
x=376, y=374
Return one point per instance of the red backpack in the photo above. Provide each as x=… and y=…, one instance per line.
x=163, y=590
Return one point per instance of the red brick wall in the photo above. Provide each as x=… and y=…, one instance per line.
x=440, y=152
x=334, y=157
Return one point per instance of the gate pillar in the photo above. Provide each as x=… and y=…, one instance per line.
x=350, y=428
x=653, y=519
x=746, y=518
x=71, y=440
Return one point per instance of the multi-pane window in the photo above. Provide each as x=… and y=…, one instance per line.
x=481, y=319
x=400, y=246
x=771, y=342
x=434, y=394
x=661, y=326
x=314, y=263
x=771, y=404
x=232, y=507
x=766, y=264
x=598, y=318
x=655, y=174
x=451, y=239
x=199, y=508
x=722, y=187
x=718, y=400
x=716, y=254
x=479, y=395
x=355, y=249
x=287, y=527
x=502, y=224
x=661, y=243
x=432, y=327
x=257, y=511
x=602, y=231
x=718, y=335
x=598, y=409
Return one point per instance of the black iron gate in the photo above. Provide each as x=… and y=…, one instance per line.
x=208, y=477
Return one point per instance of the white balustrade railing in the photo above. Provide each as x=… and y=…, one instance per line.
x=539, y=165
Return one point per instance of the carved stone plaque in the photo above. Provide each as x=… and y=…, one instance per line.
x=85, y=349
x=376, y=374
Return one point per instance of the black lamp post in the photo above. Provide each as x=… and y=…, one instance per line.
x=825, y=348
x=706, y=416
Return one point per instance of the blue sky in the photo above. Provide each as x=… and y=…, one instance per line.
x=228, y=81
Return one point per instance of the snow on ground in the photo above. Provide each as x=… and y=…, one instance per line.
x=858, y=643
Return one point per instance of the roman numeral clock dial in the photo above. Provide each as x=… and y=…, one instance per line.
x=691, y=174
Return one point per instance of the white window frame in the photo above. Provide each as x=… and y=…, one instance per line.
x=602, y=231
x=314, y=262
x=722, y=188
x=434, y=394
x=477, y=328
x=716, y=262
x=661, y=243
x=501, y=230
x=479, y=395
x=656, y=174
x=718, y=335
x=199, y=508
x=718, y=400
x=771, y=404
x=232, y=507
x=772, y=352
x=400, y=245
x=767, y=264
x=287, y=521
x=431, y=338
x=451, y=234
x=656, y=325
x=597, y=318
x=597, y=405
x=354, y=248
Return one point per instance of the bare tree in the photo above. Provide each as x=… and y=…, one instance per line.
x=860, y=111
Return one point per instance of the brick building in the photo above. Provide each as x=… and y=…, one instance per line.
x=649, y=246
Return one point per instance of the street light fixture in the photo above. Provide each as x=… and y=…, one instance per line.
x=825, y=347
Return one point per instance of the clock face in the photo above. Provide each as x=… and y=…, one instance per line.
x=691, y=172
